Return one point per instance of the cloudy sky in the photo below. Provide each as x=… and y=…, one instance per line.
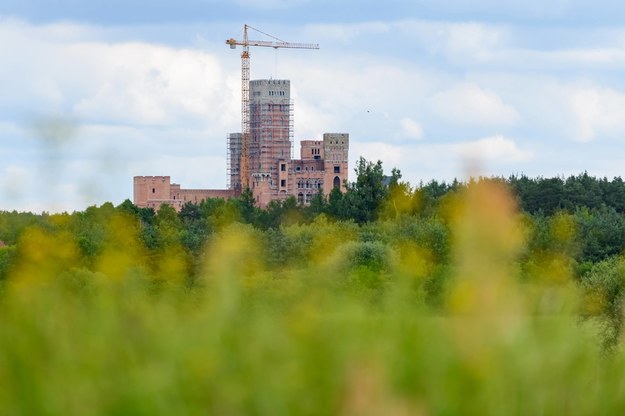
x=95, y=92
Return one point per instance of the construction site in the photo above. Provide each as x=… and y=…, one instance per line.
x=260, y=157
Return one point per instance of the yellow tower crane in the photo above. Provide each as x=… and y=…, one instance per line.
x=245, y=88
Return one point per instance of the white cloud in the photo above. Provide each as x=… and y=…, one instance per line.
x=150, y=84
x=345, y=33
x=411, y=128
x=462, y=43
x=468, y=103
x=496, y=155
x=389, y=154
x=491, y=149
x=599, y=111
x=366, y=97
x=472, y=39
x=510, y=47
x=128, y=83
x=15, y=179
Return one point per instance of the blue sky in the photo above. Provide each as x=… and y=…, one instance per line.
x=96, y=92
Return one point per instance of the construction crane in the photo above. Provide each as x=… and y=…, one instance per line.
x=245, y=88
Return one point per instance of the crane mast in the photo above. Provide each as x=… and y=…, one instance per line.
x=245, y=89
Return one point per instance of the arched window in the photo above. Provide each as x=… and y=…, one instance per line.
x=337, y=182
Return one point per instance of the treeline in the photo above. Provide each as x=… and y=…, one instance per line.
x=594, y=208
x=550, y=195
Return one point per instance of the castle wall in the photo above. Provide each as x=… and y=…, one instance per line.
x=198, y=195
x=306, y=179
x=153, y=191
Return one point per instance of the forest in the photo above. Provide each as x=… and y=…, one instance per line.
x=490, y=296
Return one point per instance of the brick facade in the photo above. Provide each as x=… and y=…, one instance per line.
x=153, y=191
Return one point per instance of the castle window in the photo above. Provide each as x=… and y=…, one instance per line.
x=337, y=169
x=298, y=169
x=283, y=183
x=153, y=190
x=337, y=182
x=283, y=167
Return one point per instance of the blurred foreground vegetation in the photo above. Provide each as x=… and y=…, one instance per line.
x=488, y=297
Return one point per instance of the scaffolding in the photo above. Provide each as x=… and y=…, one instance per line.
x=271, y=133
x=233, y=169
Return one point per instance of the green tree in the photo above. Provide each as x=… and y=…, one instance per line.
x=195, y=227
x=364, y=197
x=601, y=233
x=605, y=290
x=336, y=204
x=12, y=224
x=90, y=230
x=168, y=225
x=400, y=199
x=129, y=208
x=7, y=258
x=248, y=210
x=318, y=205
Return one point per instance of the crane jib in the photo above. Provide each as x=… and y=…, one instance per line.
x=234, y=42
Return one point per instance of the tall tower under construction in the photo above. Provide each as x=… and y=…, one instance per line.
x=273, y=173
x=271, y=134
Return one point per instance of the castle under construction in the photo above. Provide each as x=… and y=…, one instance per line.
x=263, y=161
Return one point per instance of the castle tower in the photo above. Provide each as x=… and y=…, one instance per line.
x=271, y=131
x=335, y=162
x=151, y=189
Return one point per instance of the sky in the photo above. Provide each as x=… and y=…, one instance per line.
x=95, y=92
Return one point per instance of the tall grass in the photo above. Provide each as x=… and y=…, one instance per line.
x=347, y=329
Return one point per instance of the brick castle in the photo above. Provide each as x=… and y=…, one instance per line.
x=273, y=172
